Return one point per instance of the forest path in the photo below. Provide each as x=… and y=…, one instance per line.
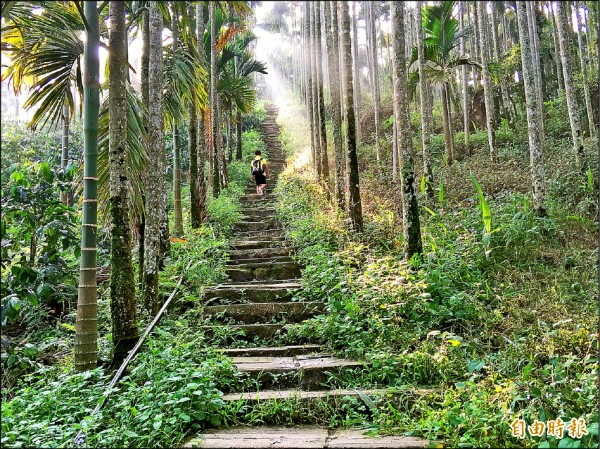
x=258, y=303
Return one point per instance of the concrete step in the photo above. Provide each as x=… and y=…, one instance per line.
x=253, y=197
x=252, y=242
x=251, y=187
x=253, y=212
x=306, y=372
x=264, y=331
x=258, y=253
x=264, y=225
x=258, y=213
x=303, y=437
x=260, y=292
x=262, y=271
x=273, y=351
x=292, y=312
x=260, y=234
x=261, y=260
x=257, y=397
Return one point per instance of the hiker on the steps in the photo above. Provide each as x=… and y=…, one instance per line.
x=258, y=168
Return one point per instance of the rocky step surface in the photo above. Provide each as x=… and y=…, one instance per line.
x=298, y=437
x=258, y=312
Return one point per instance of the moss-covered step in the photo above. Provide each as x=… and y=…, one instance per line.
x=249, y=313
x=303, y=437
x=259, y=253
x=307, y=372
x=258, y=225
x=252, y=292
x=262, y=271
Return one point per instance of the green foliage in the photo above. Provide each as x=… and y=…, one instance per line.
x=486, y=216
x=38, y=239
x=255, y=117
x=252, y=141
x=20, y=145
x=557, y=123
x=172, y=388
x=455, y=319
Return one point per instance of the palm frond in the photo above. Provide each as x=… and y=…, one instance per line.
x=249, y=66
x=238, y=90
x=45, y=53
x=184, y=79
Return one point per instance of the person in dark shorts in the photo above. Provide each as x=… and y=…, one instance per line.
x=258, y=170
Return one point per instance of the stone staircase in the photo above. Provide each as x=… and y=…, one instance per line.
x=257, y=303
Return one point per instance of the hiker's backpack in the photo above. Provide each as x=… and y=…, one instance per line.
x=258, y=167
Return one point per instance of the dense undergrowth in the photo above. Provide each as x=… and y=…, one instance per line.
x=173, y=387
x=498, y=323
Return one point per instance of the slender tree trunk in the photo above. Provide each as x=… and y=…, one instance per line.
x=315, y=94
x=496, y=58
x=535, y=142
x=214, y=166
x=238, y=128
x=310, y=84
x=201, y=140
x=465, y=82
x=424, y=87
x=538, y=79
x=223, y=177
x=569, y=86
x=476, y=45
x=323, y=132
x=356, y=77
x=146, y=102
x=334, y=82
x=177, y=212
x=122, y=286
x=410, y=206
x=586, y=85
x=155, y=179
x=352, y=156
x=375, y=77
x=559, y=79
x=228, y=113
x=64, y=160
x=487, y=86
x=86, y=331
x=192, y=149
x=448, y=137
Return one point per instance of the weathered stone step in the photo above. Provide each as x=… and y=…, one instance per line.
x=252, y=292
x=272, y=259
x=252, y=242
x=256, y=397
x=298, y=438
x=251, y=313
x=253, y=197
x=273, y=351
x=264, y=331
x=254, y=216
x=261, y=252
x=306, y=372
x=260, y=234
x=266, y=225
x=260, y=211
x=261, y=271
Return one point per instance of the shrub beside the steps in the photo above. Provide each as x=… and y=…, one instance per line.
x=454, y=320
x=173, y=387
